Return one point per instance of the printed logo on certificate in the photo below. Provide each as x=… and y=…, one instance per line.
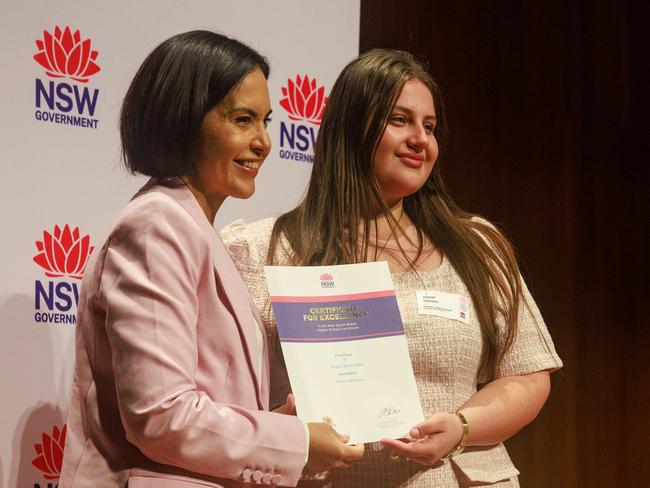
x=449, y=305
x=344, y=348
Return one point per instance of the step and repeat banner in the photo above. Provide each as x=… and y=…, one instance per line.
x=65, y=67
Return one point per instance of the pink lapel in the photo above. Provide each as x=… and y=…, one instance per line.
x=266, y=373
x=242, y=306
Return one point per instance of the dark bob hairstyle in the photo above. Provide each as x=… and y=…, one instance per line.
x=176, y=86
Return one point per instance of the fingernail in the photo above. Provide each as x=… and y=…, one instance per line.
x=415, y=433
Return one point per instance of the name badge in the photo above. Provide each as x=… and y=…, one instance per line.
x=440, y=304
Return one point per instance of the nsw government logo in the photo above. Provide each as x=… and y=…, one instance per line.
x=305, y=103
x=326, y=280
x=63, y=255
x=49, y=456
x=69, y=62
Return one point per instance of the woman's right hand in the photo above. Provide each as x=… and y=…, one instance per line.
x=328, y=449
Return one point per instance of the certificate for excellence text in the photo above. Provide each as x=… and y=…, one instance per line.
x=345, y=349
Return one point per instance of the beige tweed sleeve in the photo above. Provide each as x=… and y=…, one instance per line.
x=533, y=349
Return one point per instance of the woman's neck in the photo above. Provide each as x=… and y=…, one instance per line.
x=209, y=206
x=384, y=226
x=393, y=238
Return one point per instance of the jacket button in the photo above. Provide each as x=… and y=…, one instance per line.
x=257, y=476
x=246, y=474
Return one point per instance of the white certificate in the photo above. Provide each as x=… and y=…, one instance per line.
x=345, y=350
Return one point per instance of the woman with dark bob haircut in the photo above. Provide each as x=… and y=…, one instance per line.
x=376, y=194
x=171, y=384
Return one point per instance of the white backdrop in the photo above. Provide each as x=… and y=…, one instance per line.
x=58, y=174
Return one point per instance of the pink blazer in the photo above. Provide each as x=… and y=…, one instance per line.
x=166, y=392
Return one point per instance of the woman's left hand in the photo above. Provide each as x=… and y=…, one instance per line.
x=432, y=439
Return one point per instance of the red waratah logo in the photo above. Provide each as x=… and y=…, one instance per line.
x=49, y=454
x=326, y=277
x=304, y=99
x=66, y=54
x=65, y=253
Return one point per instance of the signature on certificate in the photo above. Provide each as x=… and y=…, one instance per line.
x=387, y=411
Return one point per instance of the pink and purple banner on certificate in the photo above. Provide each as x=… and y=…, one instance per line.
x=335, y=318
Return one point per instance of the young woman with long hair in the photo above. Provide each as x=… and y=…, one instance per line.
x=376, y=193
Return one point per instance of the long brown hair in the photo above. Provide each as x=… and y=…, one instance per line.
x=343, y=197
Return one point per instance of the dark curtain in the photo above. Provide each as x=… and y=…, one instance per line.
x=547, y=102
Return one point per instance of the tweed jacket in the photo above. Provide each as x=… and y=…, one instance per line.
x=445, y=355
